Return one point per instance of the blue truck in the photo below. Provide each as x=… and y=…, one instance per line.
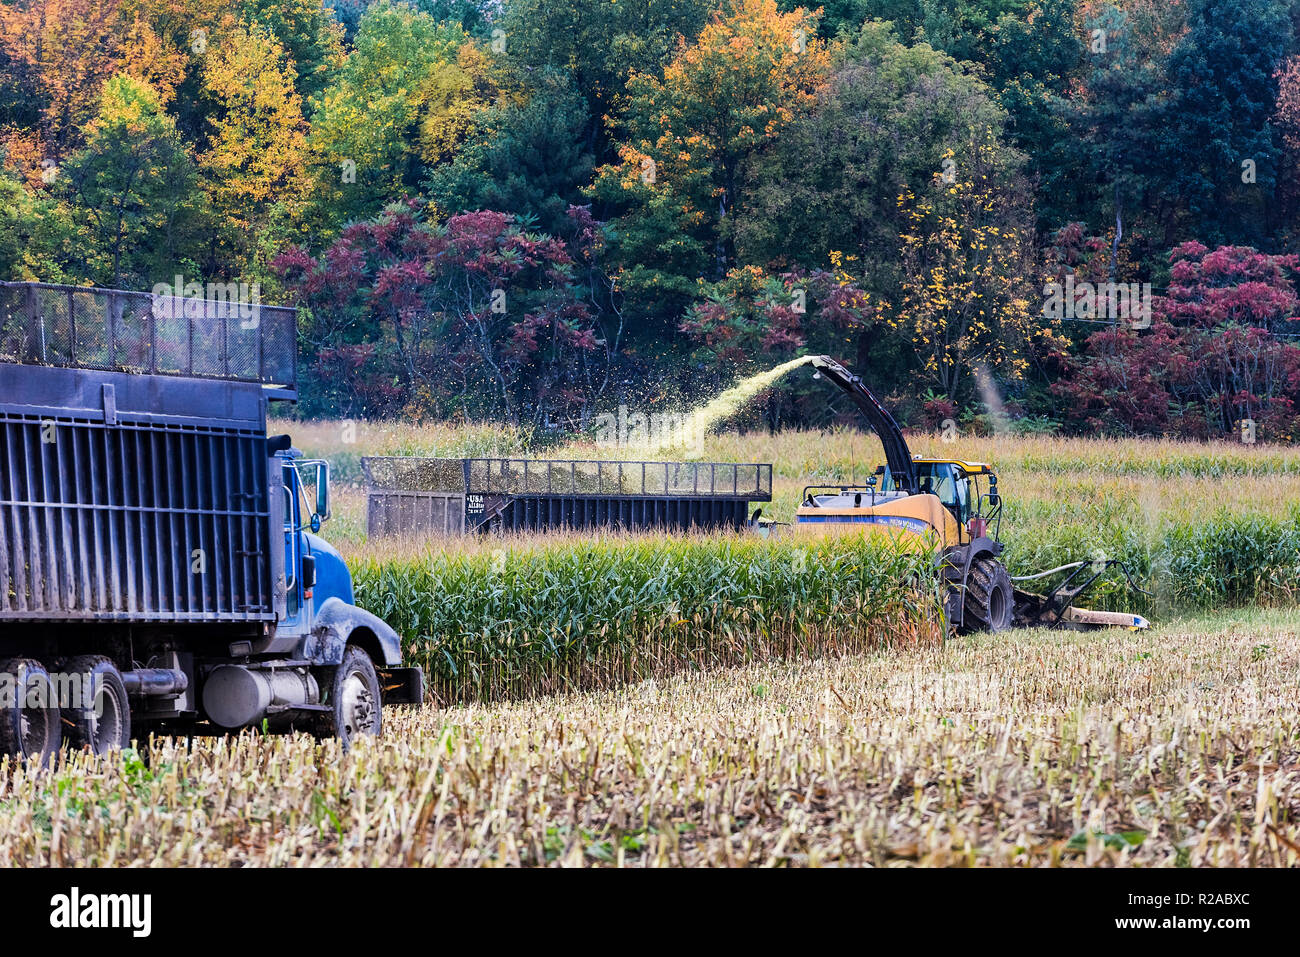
x=160, y=562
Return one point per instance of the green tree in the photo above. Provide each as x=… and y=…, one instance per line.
x=963, y=28
x=893, y=119
x=600, y=44
x=134, y=185
x=529, y=159
x=1224, y=77
x=469, y=14
x=36, y=234
x=365, y=136
x=1036, y=60
x=308, y=34
x=1116, y=115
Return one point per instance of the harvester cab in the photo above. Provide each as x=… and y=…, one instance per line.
x=968, y=490
x=954, y=506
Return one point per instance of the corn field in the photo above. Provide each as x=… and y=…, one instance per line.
x=497, y=619
x=1200, y=525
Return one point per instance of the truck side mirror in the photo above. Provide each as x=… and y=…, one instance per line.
x=322, y=494
x=308, y=572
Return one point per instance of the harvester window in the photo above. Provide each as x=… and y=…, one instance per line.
x=961, y=485
x=952, y=487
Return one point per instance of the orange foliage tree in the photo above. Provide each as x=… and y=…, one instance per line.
x=691, y=135
x=59, y=55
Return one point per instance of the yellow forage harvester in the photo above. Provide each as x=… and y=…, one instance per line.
x=954, y=506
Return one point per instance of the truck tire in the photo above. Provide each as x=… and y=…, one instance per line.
x=29, y=717
x=988, y=596
x=355, y=697
x=105, y=723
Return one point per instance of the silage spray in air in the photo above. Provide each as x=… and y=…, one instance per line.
x=689, y=429
x=639, y=434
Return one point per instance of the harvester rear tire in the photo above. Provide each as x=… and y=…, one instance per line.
x=988, y=597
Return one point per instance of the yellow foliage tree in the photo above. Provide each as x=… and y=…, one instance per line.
x=722, y=99
x=253, y=170
x=967, y=275
x=366, y=134
x=454, y=94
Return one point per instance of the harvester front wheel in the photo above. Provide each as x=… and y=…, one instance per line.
x=987, y=597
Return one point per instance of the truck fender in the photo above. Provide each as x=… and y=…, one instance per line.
x=337, y=623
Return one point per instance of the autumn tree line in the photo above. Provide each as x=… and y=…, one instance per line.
x=538, y=210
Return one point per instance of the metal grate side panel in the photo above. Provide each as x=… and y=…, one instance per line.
x=569, y=477
x=117, y=330
x=132, y=522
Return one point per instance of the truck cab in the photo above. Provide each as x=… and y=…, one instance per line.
x=320, y=617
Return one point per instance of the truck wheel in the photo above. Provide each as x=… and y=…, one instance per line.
x=355, y=697
x=988, y=598
x=29, y=712
x=105, y=722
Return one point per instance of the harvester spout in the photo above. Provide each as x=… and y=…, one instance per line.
x=897, y=455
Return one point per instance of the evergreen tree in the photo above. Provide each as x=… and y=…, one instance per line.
x=1215, y=132
x=529, y=159
x=133, y=185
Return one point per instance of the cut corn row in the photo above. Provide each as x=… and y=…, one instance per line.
x=1179, y=747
